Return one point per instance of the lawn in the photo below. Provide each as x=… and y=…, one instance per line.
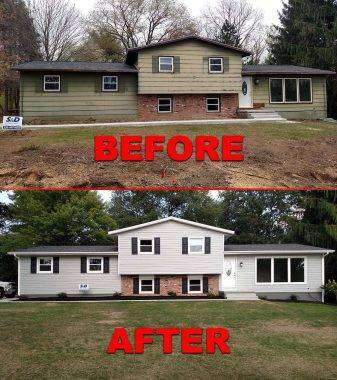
x=276, y=155
x=268, y=340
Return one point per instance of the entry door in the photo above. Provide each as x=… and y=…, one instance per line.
x=229, y=274
x=246, y=97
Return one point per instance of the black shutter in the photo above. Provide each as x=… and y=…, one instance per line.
x=157, y=246
x=39, y=84
x=83, y=264
x=225, y=64
x=206, y=64
x=207, y=245
x=106, y=266
x=134, y=242
x=176, y=64
x=136, y=285
x=33, y=265
x=56, y=265
x=98, y=83
x=121, y=84
x=64, y=83
x=185, y=246
x=205, y=285
x=157, y=285
x=155, y=64
x=184, y=287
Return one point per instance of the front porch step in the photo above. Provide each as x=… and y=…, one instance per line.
x=241, y=296
x=261, y=114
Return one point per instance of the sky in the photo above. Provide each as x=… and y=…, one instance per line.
x=269, y=7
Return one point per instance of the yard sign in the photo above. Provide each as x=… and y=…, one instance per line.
x=12, y=123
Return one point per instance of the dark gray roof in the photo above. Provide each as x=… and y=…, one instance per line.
x=283, y=70
x=95, y=67
x=289, y=248
x=68, y=250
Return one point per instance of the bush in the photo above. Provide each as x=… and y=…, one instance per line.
x=293, y=298
x=62, y=296
x=23, y=298
x=212, y=295
x=117, y=295
x=172, y=294
x=331, y=288
x=263, y=298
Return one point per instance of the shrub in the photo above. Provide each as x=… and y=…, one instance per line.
x=212, y=295
x=293, y=298
x=117, y=295
x=331, y=288
x=263, y=298
x=172, y=294
x=23, y=298
x=62, y=296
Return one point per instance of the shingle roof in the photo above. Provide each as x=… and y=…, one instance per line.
x=95, y=67
x=283, y=70
x=67, y=250
x=274, y=248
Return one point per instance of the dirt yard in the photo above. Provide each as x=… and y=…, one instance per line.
x=276, y=155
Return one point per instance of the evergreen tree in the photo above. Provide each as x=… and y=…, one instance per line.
x=229, y=34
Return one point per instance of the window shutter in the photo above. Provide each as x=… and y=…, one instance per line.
x=206, y=64
x=225, y=64
x=157, y=285
x=98, y=83
x=185, y=246
x=64, y=83
x=39, y=84
x=157, y=246
x=33, y=265
x=207, y=245
x=121, y=83
x=205, y=285
x=56, y=265
x=106, y=266
x=176, y=65
x=155, y=64
x=136, y=285
x=134, y=243
x=83, y=264
x=184, y=287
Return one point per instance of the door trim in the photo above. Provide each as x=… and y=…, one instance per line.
x=251, y=92
x=223, y=273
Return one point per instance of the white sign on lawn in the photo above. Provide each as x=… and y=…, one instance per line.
x=12, y=123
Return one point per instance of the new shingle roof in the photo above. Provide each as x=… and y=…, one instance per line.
x=275, y=248
x=283, y=70
x=67, y=250
x=87, y=67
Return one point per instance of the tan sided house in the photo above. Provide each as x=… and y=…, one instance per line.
x=178, y=257
x=186, y=78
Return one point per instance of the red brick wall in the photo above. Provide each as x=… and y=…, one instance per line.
x=169, y=284
x=186, y=107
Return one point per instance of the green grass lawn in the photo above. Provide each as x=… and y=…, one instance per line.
x=268, y=340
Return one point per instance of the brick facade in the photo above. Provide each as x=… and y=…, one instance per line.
x=186, y=107
x=169, y=284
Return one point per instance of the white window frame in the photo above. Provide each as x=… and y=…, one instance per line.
x=284, y=91
x=207, y=110
x=289, y=270
x=51, y=266
x=146, y=253
x=161, y=98
x=210, y=64
x=160, y=63
x=88, y=265
x=201, y=284
x=142, y=278
x=59, y=83
x=103, y=83
x=189, y=245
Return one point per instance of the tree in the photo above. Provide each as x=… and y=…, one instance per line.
x=307, y=36
x=238, y=14
x=229, y=34
x=59, y=26
x=132, y=23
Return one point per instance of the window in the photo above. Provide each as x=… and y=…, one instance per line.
x=216, y=65
x=263, y=271
x=45, y=265
x=166, y=64
x=52, y=83
x=146, y=246
x=164, y=105
x=95, y=265
x=195, y=284
x=276, y=90
x=297, y=270
x=305, y=90
x=110, y=84
x=196, y=245
x=213, y=104
x=280, y=270
x=290, y=90
x=146, y=285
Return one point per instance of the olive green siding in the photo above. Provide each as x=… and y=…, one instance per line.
x=192, y=76
x=315, y=110
x=80, y=97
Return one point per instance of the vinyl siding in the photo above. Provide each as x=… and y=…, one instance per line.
x=315, y=110
x=68, y=280
x=171, y=260
x=81, y=98
x=193, y=78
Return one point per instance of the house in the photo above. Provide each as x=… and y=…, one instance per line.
x=185, y=78
x=174, y=255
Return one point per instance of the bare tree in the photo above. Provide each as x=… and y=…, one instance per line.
x=59, y=26
x=132, y=23
x=247, y=20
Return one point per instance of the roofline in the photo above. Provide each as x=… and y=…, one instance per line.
x=251, y=73
x=279, y=252
x=25, y=253
x=171, y=218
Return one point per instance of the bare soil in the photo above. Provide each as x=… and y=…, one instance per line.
x=301, y=155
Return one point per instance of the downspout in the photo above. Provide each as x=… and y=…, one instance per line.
x=19, y=275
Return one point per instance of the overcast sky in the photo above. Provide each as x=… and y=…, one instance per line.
x=269, y=7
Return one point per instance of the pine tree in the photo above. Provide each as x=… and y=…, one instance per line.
x=229, y=34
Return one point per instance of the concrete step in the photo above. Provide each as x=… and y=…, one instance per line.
x=241, y=296
x=262, y=114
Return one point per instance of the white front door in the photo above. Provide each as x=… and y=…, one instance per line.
x=246, y=97
x=229, y=274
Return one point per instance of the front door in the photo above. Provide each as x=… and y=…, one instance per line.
x=229, y=274
x=246, y=97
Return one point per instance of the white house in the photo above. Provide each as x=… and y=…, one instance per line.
x=174, y=256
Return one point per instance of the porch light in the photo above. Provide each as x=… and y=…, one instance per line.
x=256, y=81
x=241, y=264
